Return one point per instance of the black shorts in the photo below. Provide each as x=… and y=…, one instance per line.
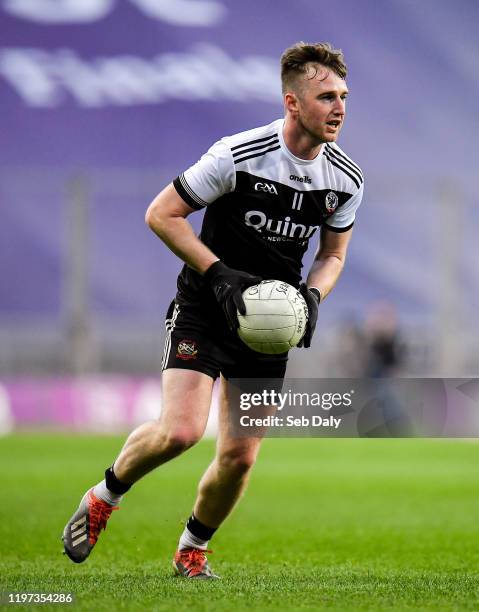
x=198, y=338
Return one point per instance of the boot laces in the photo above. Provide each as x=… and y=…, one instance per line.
x=195, y=558
x=100, y=512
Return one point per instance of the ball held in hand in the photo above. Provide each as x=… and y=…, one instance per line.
x=275, y=319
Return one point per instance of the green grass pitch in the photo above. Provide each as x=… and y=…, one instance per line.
x=325, y=524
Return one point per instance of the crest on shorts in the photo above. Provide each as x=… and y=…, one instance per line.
x=186, y=350
x=331, y=202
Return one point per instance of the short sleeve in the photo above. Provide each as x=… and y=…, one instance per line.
x=343, y=219
x=207, y=180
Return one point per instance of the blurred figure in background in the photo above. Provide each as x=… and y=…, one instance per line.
x=373, y=348
x=385, y=356
x=384, y=347
x=349, y=351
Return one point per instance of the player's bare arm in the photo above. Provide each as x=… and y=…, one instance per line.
x=323, y=275
x=166, y=216
x=329, y=260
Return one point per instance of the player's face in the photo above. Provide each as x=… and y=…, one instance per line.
x=321, y=104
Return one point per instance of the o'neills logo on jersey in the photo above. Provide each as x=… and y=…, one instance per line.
x=282, y=227
x=300, y=179
x=186, y=350
x=331, y=202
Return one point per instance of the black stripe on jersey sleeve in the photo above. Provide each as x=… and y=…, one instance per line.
x=342, y=160
x=263, y=146
x=257, y=154
x=338, y=230
x=345, y=170
x=186, y=193
x=251, y=142
x=345, y=157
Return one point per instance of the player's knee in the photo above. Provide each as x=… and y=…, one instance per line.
x=237, y=463
x=176, y=441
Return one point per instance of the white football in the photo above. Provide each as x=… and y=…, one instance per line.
x=275, y=319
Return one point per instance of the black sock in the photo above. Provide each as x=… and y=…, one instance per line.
x=199, y=530
x=113, y=484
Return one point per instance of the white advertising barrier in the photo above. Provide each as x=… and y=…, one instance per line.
x=103, y=404
x=6, y=417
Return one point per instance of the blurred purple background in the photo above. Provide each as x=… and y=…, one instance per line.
x=104, y=102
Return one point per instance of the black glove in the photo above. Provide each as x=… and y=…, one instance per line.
x=228, y=285
x=312, y=297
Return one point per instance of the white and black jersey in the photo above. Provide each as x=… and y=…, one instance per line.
x=264, y=204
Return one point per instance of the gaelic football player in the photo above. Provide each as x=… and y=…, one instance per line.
x=266, y=193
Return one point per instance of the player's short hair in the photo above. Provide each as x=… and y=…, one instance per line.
x=296, y=60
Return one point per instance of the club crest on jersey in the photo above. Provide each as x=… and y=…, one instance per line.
x=331, y=202
x=186, y=350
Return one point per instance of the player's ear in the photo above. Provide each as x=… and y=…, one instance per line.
x=291, y=102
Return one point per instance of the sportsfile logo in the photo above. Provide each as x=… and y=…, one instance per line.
x=300, y=179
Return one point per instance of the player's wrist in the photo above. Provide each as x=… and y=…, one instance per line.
x=316, y=293
x=216, y=269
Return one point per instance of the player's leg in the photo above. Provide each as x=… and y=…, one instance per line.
x=219, y=490
x=186, y=402
x=186, y=398
x=227, y=476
